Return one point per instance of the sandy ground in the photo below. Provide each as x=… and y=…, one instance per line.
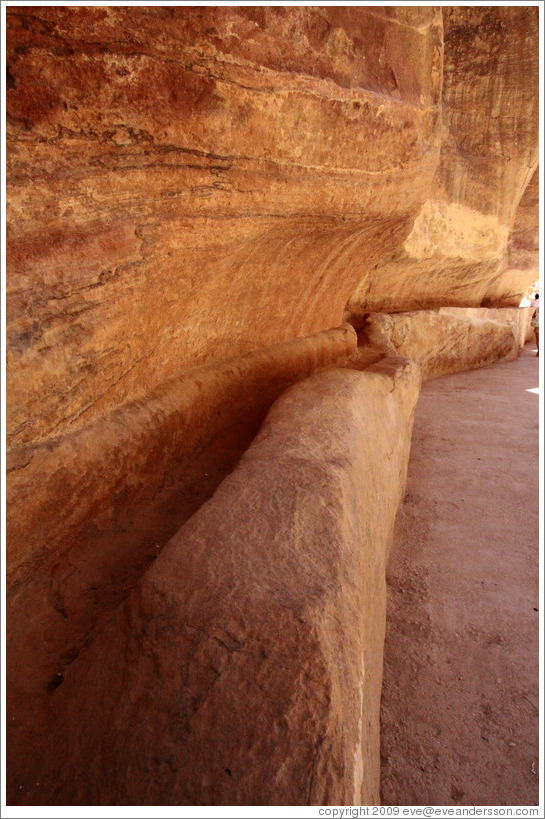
x=460, y=693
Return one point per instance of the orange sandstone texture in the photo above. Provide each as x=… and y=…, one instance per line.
x=245, y=668
x=212, y=408
x=90, y=510
x=459, y=251
x=522, y=262
x=190, y=184
x=447, y=340
x=193, y=197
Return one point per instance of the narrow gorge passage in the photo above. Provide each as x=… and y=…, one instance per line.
x=460, y=690
x=211, y=209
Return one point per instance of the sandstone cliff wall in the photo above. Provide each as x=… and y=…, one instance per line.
x=465, y=245
x=194, y=195
x=188, y=185
x=176, y=434
x=191, y=184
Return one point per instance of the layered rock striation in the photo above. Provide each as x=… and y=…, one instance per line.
x=186, y=185
x=197, y=197
x=459, y=251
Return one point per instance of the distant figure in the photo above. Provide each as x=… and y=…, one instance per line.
x=535, y=321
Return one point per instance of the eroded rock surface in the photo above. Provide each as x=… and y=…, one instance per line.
x=246, y=666
x=459, y=251
x=194, y=195
x=191, y=184
x=90, y=510
x=448, y=340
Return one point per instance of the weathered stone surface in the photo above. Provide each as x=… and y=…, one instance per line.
x=193, y=196
x=190, y=184
x=246, y=666
x=138, y=445
x=458, y=251
x=522, y=262
x=90, y=509
x=451, y=339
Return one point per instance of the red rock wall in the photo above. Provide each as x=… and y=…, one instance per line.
x=193, y=196
x=90, y=510
x=215, y=409
x=190, y=184
x=458, y=252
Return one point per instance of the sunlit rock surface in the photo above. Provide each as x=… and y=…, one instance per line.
x=458, y=252
x=450, y=339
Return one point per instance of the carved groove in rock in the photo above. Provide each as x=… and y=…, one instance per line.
x=197, y=198
x=272, y=594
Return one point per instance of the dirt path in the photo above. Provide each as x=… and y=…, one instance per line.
x=460, y=692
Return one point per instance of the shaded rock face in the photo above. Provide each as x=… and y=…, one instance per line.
x=90, y=510
x=193, y=197
x=185, y=185
x=522, y=261
x=245, y=667
x=179, y=431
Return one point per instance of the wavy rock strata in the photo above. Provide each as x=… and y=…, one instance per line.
x=194, y=196
x=186, y=185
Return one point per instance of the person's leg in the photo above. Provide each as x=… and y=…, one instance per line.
x=536, y=331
